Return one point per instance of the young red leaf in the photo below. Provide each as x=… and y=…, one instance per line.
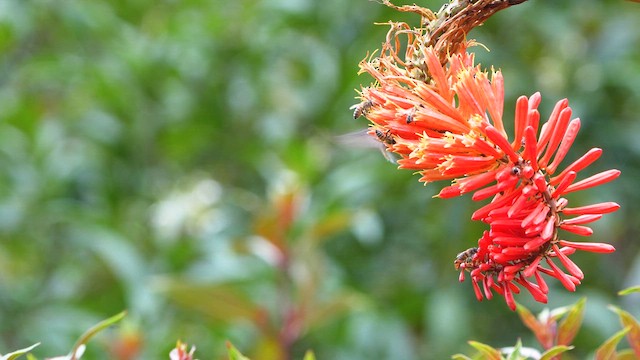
x=570, y=325
x=554, y=351
x=539, y=329
x=628, y=321
x=607, y=351
x=487, y=351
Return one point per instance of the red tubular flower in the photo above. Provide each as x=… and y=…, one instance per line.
x=445, y=122
x=525, y=215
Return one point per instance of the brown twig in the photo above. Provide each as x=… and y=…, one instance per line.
x=447, y=29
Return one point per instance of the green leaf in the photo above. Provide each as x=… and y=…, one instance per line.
x=460, y=357
x=607, y=351
x=91, y=332
x=269, y=346
x=488, y=352
x=234, y=354
x=629, y=290
x=221, y=301
x=514, y=353
x=570, y=325
x=630, y=322
x=328, y=226
x=309, y=355
x=16, y=354
x=557, y=313
x=340, y=304
x=626, y=354
x=556, y=350
x=520, y=352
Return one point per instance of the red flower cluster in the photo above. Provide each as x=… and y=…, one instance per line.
x=445, y=121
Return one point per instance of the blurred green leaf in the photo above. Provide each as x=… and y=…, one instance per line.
x=309, y=355
x=607, y=351
x=322, y=313
x=557, y=313
x=514, y=353
x=556, y=350
x=487, y=351
x=16, y=354
x=92, y=331
x=268, y=346
x=628, y=321
x=626, y=354
x=234, y=354
x=629, y=290
x=570, y=325
x=222, y=302
x=328, y=226
x=460, y=357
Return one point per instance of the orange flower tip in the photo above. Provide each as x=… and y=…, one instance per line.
x=577, y=229
x=479, y=214
x=587, y=159
x=485, y=193
x=571, y=267
x=534, y=244
x=595, y=180
x=540, y=182
x=589, y=246
x=600, y=208
x=476, y=289
x=582, y=219
x=566, y=280
x=449, y=192
x=564, y=183
x=513, y=269
x=530, y=147
x=534, y=290
x=547, y=230
x=499, y=140
x=532, y=267
x=508, y=296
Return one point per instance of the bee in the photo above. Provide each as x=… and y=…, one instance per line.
x=465, y=258
x=385, y=137
x=362, y=108
x=410, y=115
x=362, y=139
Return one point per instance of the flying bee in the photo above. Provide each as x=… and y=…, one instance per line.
x=362, y=139
x=362, y=108
x=385, y=137
x=465, y=258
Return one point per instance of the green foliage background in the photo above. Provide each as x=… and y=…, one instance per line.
x=154, y=154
